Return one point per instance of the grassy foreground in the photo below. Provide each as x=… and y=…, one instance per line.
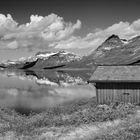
x=83, y=120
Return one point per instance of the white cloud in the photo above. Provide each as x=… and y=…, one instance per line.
x=13, y=92
x=76, y=42
x=58, y=25
x=49, y=28
x=53, y=31
x=136, y=25
x=7, y=22
x=12, y=45
x=59, y=30
x=34, y=19
x=94, y=39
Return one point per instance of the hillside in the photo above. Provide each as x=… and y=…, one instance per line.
x=43, y=60
x=116, y=51
x=113, y=51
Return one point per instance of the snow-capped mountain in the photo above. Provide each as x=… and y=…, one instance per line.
x=43, y=60
x=46, y=55
x=48, y=60
x=113, y=51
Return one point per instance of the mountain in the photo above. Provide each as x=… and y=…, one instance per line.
x=43, y=60
x=113, y=51
x=116, y=51
x=85, y=63
x=111, y=43
x=54, y=60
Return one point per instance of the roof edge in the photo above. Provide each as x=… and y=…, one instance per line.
x=114, y=81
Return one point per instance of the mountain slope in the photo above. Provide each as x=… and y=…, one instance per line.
x=115, y=51
x=54, y=60
x=44, y=60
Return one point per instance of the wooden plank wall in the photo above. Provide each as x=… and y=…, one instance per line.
x=125, y=92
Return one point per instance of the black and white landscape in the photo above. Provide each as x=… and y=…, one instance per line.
x=70, y=70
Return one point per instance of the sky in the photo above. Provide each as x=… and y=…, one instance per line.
x=79, y=26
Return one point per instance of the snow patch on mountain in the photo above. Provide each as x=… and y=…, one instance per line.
x=67, y=57
x=46, y=55
x=124, y=41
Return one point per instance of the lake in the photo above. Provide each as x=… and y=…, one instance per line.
x=34, y=91
x=27, y=91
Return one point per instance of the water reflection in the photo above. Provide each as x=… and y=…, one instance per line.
x=37, y=90
x=28, y=91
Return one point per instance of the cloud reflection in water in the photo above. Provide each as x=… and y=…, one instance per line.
x=20, y=89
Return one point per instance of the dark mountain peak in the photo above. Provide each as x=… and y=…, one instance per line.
x=110, y=43
x=113, y=38
x=116, y=51
x=124, y=40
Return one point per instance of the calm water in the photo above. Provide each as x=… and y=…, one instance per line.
x=36, y=90
x=27, y=91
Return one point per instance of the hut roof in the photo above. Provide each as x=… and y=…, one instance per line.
x=116, y=73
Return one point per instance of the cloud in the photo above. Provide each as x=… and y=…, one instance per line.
x=76, y=42
x=94, y=39
x=13, y=92
x=59, y=30
x=34, y=19
x=45, y=29
x=7, y=22
x=52, y=31
x=136, y=25
x=12, y=45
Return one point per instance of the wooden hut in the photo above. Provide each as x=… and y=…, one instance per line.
x=117, y=83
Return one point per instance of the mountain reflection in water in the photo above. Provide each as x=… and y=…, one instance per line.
x=36, y=90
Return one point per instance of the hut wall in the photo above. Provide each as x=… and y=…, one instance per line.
x=110, y=92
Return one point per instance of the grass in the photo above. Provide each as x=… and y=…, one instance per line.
x=61, y=120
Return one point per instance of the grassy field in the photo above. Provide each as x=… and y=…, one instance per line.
x=82, y=120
